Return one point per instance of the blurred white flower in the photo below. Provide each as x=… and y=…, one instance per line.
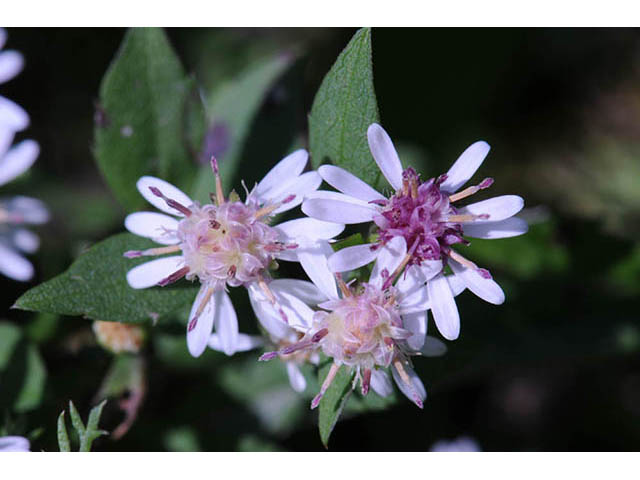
x=368, y=328
x=15, y=212
x=460, y=444
x=423, y=214
x=228, y=243
x=14, y=444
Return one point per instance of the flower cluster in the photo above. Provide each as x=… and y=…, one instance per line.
x=16, y=212
x=374, y=327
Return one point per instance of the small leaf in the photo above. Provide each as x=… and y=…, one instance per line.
x=76, y=421
x=63, y=437
x=92, y=432
x=334, y=400
x=343, y=109
x=95, y=286
x=232, y=117
x=147, y=116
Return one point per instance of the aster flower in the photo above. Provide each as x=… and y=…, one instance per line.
x=15, y=212
x=368, y=328
x=228, y=243
x=424, y=215
x=14, y=444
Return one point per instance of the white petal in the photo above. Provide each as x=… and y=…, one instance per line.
x=443, y=307
x=381, y=383
x=329, y=195
x=12, y=115
x=11, y=63
x=456, y=284
x=285, y=170
x=389, y=258
x=18, y=160
x=416, y=296
x=498, y=208
x=485, y=288
x=296, y=379
x=6, y=138
x=266, y=315
x=385, y=155
x=156, y=226
x=226, y=322
x=465, y=166
x=150, y=273
x=338, y=211
x=348, y=183
x=28, y=210
x=299, y=314
x=433, y=347
x=25, y=240
x=300, y=187
x=14, y=444
x=244, y=343
x=308, y=292
x=430, y=268
x=350, y=258
x=198, y=337
x=168, y=190
x=511, y=227
x=314, y=261
x=309, y=228
x=417, y=324
x=418, y=386
x=14, y=265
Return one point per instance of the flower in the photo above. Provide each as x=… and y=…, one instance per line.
x=423, y=214
x=15, y=160
x=460, y=444
x=228, y=243
x=13, y=444
x=119, y=337
x=367, y=328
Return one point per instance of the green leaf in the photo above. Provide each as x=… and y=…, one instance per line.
x=63, y=437
x=334, y=399
x=22, y=371
x=76, y=421
x=233, y=107
x=150, y=118
x=95, y=286
x=343, y=109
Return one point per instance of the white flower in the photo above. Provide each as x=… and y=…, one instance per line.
x=460, y=444
x=422, y=213
x=13, y=444
x=228, y=243
x=368, y=328
x=15, y=212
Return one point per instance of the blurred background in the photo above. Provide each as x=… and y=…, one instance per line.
x=554, y=368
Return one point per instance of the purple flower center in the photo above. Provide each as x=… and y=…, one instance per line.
x=420, y=213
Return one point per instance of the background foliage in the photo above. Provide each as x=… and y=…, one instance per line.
x=554, y=368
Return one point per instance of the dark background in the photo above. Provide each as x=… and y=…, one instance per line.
x=554, y=368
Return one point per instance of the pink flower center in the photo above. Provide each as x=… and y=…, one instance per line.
x=420, y=213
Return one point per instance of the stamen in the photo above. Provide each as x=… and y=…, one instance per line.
x=366, y=381
x=172, y=203
x=405, y=378
x=325, y=385
x=467, y=192
x=484, y=273
x=174, y=277
x=344, y=288
x=203, y=304
x=151, y=252
x=265, y=211
x=467, y=217
x=216, y=172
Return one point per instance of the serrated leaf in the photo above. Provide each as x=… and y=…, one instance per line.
x=233, y=106
x=63, y=437
x=148, y=119
x=334, y=399
x=343, y=109
x=95, y=286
